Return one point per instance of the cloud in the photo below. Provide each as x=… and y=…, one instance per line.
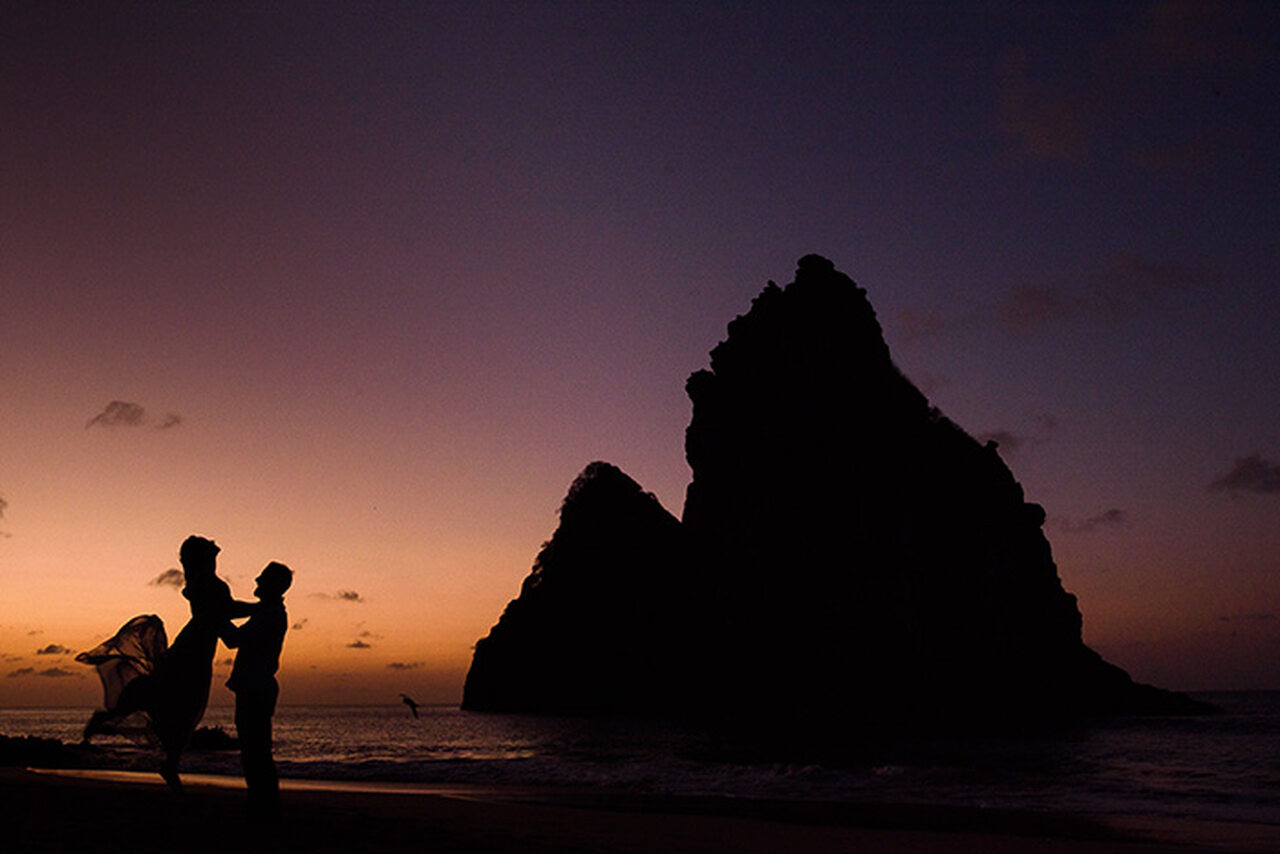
x=359, y=644
x=916, y=324
x=1113, y=518
x=368, y=634
x=3, y=505
x=1010, y=442
x=57, y=673
x=1250, y=474
x=1006, y=439
x=53, y=649
x=120, y=413
x=1121, y=286
x=1044, y=118
x=1124, y=286
x=1255, y=617
x=171, y=577
x=1127, y=92
x=341, y=596
x=1199, y=35
x=48, y=673
x=405, y=665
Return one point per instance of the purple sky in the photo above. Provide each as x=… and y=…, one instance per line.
x=371, y=283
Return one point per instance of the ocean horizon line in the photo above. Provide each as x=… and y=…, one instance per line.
x=1197, y=692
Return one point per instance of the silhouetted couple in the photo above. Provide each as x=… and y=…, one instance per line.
x=170, y=687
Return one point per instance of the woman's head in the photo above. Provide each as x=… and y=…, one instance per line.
x=198, y=554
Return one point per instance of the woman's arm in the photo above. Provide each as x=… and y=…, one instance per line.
x=230, y=634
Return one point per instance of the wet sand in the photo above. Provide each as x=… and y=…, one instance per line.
x=65, y=811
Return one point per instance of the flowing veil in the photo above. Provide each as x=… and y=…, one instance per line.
x=128, y=656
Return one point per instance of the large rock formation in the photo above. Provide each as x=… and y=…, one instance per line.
x=846, y=552
x=590, y=629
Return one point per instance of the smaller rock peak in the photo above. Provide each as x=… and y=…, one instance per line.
x=596, y=482
x=814, y=264
x=816, y=273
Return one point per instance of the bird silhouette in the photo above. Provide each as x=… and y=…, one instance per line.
x=409, y=701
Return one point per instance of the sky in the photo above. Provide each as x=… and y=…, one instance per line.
x=363, y=287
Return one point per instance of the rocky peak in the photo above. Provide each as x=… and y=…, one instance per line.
x=846, y=553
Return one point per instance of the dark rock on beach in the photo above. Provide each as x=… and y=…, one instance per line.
x=846, y=553
x=21, y=750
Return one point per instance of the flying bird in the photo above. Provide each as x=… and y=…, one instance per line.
x=409, y=701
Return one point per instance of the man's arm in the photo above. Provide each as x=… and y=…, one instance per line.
x=233, y=635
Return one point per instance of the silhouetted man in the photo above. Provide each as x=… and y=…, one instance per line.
x=253, y=679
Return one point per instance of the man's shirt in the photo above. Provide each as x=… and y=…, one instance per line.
x=258, y=643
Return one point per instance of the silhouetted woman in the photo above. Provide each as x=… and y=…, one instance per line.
x=172, y=688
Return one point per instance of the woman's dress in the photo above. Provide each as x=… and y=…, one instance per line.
x=126, y=662
x=171, y=686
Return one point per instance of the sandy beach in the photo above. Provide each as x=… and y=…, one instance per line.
x=58, y=811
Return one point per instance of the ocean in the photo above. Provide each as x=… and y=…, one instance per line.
x=1223, y=767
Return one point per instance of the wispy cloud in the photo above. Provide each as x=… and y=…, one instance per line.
x=1045, y=118
x=359, y=644
x=1119, y=287
x=48, y=673
x=1250, y=474
x=405, y=665
x=171, y=577
x=916, y=324
x=1006, y=439
x=1010, y=442
x=118, y=413
x=1125, y=93
x=53, y=649
x=1252, y=617
x=58, y=673
x=1123, y=287
x=1112, y=518
x=1204, y=35
x=121, y=413
x=340, y=596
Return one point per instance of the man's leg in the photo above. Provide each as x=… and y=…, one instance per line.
x=253, y=726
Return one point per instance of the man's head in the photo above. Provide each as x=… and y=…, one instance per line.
x=273, y=581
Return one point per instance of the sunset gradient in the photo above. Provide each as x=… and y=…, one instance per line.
x=361, y=288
